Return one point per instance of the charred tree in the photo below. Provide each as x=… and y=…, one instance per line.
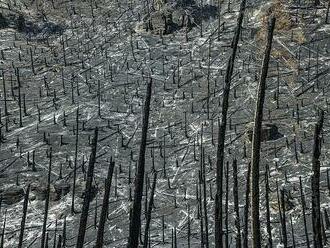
x=25, y=208
x=256, y=140
x=316, y=212
x=222, y=132
x=148, y=217
x=105, y=206
x=88, y=193
x=135, y=221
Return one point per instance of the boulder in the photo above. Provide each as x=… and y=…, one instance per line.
x=269, y=131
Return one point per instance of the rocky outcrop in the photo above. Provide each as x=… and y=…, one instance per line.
x=167, y=17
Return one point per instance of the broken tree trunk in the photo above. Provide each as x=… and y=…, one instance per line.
x=256, y=141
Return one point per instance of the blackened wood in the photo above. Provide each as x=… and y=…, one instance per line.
x=25, y=207
x=148, y=217
x=236, y=205
x=75, y=162
x=256, y=140
x=303, y=207
x=105, y=206
x=267, y=189
x=44, y=225
x=246, y=209
x=88, y=193
x=222, y=132
x=135, y=222
x=316, y=212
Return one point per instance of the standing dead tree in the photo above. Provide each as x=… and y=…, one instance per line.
x=88, y=193
x=316, y=212
x=105, y=206
x=256, y=140
x=135, y=221
x=151, y=203
x=222, y=131
x=25, y=207
x=44, y=225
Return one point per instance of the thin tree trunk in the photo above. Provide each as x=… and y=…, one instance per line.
x=105, y=206
x=148, y=217
x=256, y=141
x=236, y=205
x=88, y=193
x=222, y=132
x=246, y=209
x=303, y=207
x=25, y=208
x=269, y=228
x=75, y=162
x=44, y=226
x=135, y=222
x=316, y=212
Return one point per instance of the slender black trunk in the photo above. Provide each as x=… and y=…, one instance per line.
x=135, y=222
x=25, y=207
x=256, y=141
x=148, y=217
x=316, y=212
x=88, y=193
x=105, y=206
x=222, y=132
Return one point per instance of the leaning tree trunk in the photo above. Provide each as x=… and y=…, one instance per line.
x=25, y=208
x=316, y=212
x=105, y=206
x=135, y=222
x=88, y=193
x=256, y=141
x=222, y=132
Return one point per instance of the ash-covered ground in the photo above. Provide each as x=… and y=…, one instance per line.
x=71, y=66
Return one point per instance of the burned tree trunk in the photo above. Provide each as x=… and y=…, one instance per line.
x=316, y=212
x=75, y=162
x=88, y=193
x=151, y=203
x=135, y=222
x=256, y=141
x=236, y=205
x=44, y=226
x=222, y=132
x=105, y=206
x=246, y=209
x=25, y=207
